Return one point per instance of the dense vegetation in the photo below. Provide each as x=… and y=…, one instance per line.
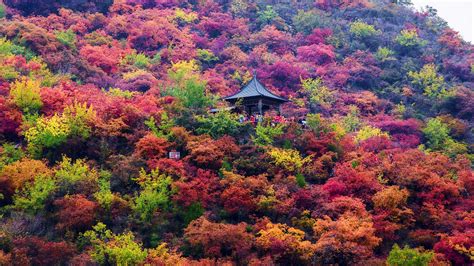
x=95, y=94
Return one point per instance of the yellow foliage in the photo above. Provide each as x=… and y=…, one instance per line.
x=292, y=240
x=184, y=16
x=368, y=132
x=184, y=70
x=134, y=74
x=25, y=94
x=390, y=198
x=24, y=171
x=290, y=160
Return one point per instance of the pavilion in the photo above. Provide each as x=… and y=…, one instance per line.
x=255, y=98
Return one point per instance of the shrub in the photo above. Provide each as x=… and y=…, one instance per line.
x=109, y=248
x=47, y=133
x=362, y=30
x=155, y=194
x=25, y=94
x=317, y=92
x=367, y=132
x=429, y=81
x=67, y=38
x=34, y=195
x=408, y=257
x=219, y=124
x=409, y=39
x=265, y=135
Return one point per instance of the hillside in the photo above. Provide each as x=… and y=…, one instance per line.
x=372, y=164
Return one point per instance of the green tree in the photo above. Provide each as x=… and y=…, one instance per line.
x=351, y=122
x=154, y=195
x=47, y=133
x=26, y=95
x=408, y=257
x=2, y=11
x=367, y=132
x=438, y=139
x=265, y=135
x=317, y=92
x=188, y=87
x=306, y=21
x=32, y=197
x=384, y=54
x=111, y=249
x=67, y=38
x=206, y=56
x=163, y=130
x=267, y=16
x=219, y=124
x=429, y=81
x=409, y=39
x=362, y=30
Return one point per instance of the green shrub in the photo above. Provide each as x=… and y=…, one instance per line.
x=3, y=11
x=111, y=249
x=362, y=30
x=408, y=257
x=265, y=135
x=430, y=82
x=409, y=39
x=154, y=195
x=67, y=38
x=25, y=94
x=219, y=124
x=32, y=197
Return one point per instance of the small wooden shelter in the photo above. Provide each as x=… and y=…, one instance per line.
x=255, y=98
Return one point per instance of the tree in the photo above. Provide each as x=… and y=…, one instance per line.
x=75, y=212
x=438, y=138
x=25, y=94
x=362, y=30
x=108, y=247
x=2, y=11
x=265, y=135
x=317, y=92
x=288, y=159
x=346, y=240
x=285, y=243
x=219, y=124
x=430, y=82
x=218, y=240
x=409, y=257
x=154, y=195
x=33, y=197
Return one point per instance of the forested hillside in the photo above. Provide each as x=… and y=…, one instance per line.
x=94, y=95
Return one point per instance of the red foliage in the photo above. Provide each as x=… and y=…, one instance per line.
x=356, y=182
x=451, y=247
x=75, y=212
x=317, y=53
x=203, y=188
x=10, y=118
x=150, y=147
x=238, y=200
x=36, y=251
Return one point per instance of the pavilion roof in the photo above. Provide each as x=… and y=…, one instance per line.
x=255, y=89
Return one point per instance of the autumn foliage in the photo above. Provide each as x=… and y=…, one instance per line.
x=370, y=162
